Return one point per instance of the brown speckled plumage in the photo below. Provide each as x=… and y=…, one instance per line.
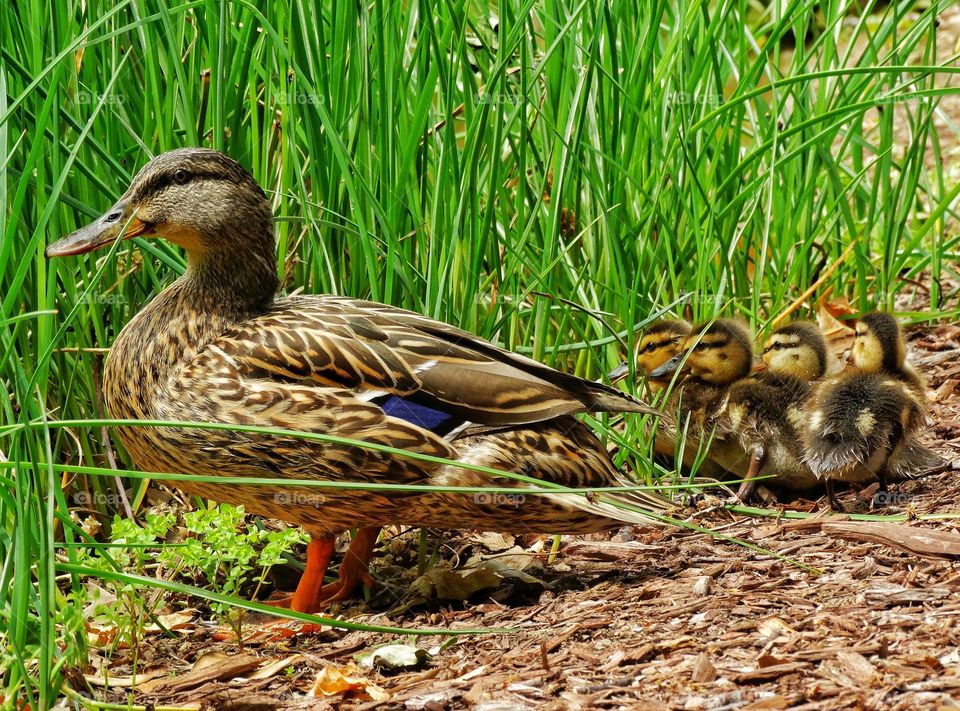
x=217, y=347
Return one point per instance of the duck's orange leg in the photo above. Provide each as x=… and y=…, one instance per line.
x=312, y=595
x=319, y=552
x=353, y=569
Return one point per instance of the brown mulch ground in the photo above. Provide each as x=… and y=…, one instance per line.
x=650, y=618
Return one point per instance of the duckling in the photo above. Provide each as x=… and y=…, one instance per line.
x=713, y=357
x=765, y=410
x=660, y=342
x=863, y=423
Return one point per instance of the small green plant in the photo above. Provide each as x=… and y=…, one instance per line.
x=221, y=551
x=227, y=554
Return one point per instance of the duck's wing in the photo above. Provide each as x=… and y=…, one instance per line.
x=379, y=351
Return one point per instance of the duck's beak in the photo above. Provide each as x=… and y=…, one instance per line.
x=619, y=373
x=668, y=367
x=117, y=223
x=760, y=366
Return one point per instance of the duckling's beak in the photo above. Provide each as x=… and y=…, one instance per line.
x=619, y=373
x=117, y=223
x=668, y=367
x=760, y=366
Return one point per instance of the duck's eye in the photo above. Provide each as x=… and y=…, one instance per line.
x=180, y=176
x=112, y=217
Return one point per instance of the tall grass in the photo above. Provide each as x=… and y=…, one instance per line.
x=548, y=174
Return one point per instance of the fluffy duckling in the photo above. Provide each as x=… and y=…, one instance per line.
x=765, y=410
x=660, y=342
x=713, y=357
x=863, y=422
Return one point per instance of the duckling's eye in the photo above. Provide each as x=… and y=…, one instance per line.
x=180, y=176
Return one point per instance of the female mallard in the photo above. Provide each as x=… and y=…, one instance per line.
x=864, y=423
x=217, y=346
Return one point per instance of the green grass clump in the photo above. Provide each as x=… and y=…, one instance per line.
x=546, y=174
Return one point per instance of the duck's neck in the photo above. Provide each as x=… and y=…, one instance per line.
x=233, y=285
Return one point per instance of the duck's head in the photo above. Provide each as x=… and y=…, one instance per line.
x=661, y=342
x=798, y=349
x=878, y=345
x=201, y=200
x=717, y=353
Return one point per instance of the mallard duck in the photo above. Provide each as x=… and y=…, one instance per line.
x=662, y=341
x=219, y=346
x=713, y=356
x=765, y=411
x=863, y=423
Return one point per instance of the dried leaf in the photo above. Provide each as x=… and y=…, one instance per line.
x=274, y=668
x=446, y=584
x=124, y=682
x=333, y=680
x=214, y=666
x=495, y=542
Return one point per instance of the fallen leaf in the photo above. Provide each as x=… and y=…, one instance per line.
x=172, y=622
x=495, y=542
x=214, y=666
x=447, y=584
x=333, y=680
x=124, y=682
